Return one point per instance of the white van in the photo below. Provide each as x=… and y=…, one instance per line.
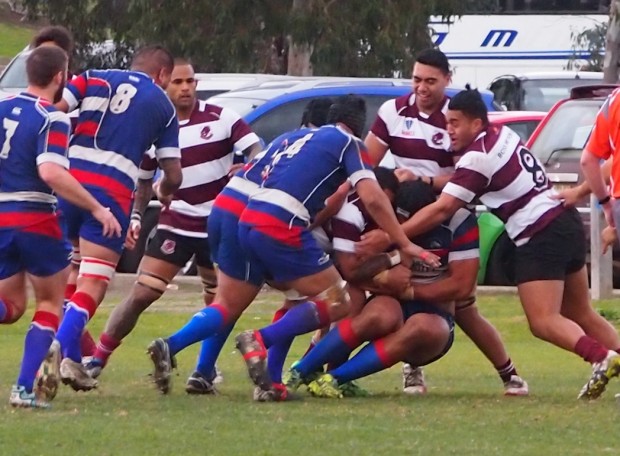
x=483, y=47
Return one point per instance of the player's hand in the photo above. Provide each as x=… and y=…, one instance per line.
x=398, y=279
x=110, y=226
x=416, y=251
x=133, y=234
x=609, y=216
x=608, y=238
x=373, y=242
x=403, y=174
x=235, y=168
x=165, y=200
x=569, y=196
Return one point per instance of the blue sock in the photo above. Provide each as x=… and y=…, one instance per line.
x=70, y=332
x=337, y=345
x=4, y=310
x=204, y=324
x=276, y=357
x=301, y=319
x=210, y=350
x=38, y=340
x=370, y=359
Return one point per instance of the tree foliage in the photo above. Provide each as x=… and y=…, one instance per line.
x=356, y=37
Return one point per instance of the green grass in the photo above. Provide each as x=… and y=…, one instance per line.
x=465, y=412
x=13, y=39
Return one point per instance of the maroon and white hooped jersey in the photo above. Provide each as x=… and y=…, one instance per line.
x=418, y=142
x=208, y=141
x=509, y=180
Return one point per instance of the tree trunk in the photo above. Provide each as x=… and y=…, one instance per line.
x=299, y=53
x=612, y=44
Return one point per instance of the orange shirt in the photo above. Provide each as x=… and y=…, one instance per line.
x=606, y=135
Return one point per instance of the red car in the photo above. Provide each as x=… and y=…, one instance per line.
x=521, y=122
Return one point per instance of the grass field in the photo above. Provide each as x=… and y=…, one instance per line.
x=465, y=412
x=13, y=39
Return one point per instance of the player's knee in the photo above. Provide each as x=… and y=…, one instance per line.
x=426, y=329
x=376, y=323
x=97, y=270
x=337, y=301
x=13, y=311
x=149, y=287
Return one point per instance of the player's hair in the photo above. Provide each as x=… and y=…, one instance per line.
x=386, y=179
x=434, y=58
x=351, y=111
x=178, y=61
x=413, y=196
x=44, y=63
x=57, y=34
x=470, y=103
x=152, y=59
x=315, y=112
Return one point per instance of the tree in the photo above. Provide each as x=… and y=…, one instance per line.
x=327, y=37
x=612, y=44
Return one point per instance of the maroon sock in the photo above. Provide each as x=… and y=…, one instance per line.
x=106, y=346
x=590, y=350
x=87, y=344
x=507, y=370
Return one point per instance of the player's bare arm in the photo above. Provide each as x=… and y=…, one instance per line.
x=379, y=208
x=571, y=196
x=142, y=196
x=171, y=180
x=65, y=185
x=376, y=148
x=332, y=205
x=432, y=215
x=459, y=284
x=590, y=164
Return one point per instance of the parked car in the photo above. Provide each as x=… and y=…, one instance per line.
x=522, y=123
x=539, y=91
x=557, y=142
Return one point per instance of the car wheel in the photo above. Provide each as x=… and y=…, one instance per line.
x=501, y=265
x=130, y=260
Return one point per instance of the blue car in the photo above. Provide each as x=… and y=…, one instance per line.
x=276, y=107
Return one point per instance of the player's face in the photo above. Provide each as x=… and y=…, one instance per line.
x=429, y=86
x=461, y=129
x=182, y=87
x=61, y=87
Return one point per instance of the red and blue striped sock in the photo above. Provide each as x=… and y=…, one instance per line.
x=210, y=350
x=79, y=310
x=39, y=337
x=370, y=359
x=336, y=345
x=276, y=355
x=204, y=324
x=301, y=319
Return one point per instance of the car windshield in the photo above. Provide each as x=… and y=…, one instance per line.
x=241, y=106
x=542, y=94
x=14, y=76
x=567, y=130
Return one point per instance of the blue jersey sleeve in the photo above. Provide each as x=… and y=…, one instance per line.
x=75, y=91
x=356, y=161
x=167, y=144
x=53, y=140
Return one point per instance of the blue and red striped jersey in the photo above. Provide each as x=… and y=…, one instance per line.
x=121, y=115
x=32, y=132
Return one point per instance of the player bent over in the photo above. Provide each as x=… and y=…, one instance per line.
x=208, y=136
x=273, y=228
x=33, y=165
x=112, y=133
x=550, y=240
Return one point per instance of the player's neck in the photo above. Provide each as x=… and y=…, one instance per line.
x=42, y=92
x=184, y=113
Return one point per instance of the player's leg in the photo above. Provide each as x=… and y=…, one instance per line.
x=423, y=338
x=381, y=316
x=96, y=271
x=577, y=307
x=12, y=296
x=489, y=342
x=166, y=254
